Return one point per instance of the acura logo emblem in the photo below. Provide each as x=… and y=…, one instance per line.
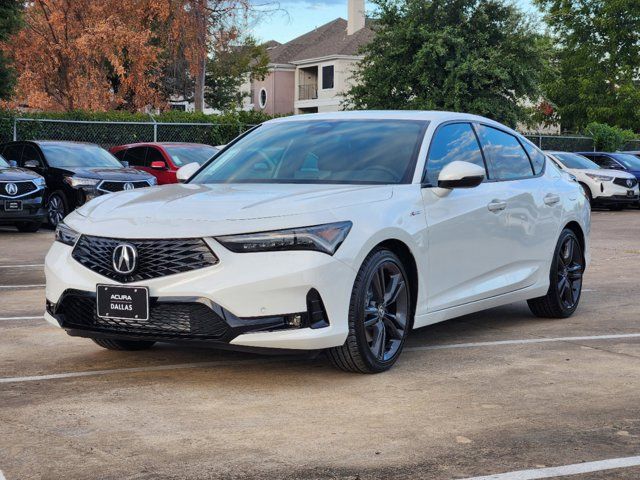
x=11, y=188
x=128, y=186
x=125, y=258
x=629, y=182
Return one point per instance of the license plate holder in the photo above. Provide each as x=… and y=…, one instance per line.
x=122, y=303
x=13, y=205
x=631, y=193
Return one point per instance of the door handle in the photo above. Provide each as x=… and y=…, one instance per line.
x=497, y=206
x=551, y=199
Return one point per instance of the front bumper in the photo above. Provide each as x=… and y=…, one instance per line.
x=254, y=295
x=32, y=210
x=613, y=194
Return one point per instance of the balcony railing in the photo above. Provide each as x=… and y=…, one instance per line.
x=307, y=92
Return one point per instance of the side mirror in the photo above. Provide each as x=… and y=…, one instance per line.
x=186, y=172
x=13, y=163
x=459, y=174
x=159, y=165
x=31, y=164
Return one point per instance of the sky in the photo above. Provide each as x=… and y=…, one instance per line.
x=301, y=16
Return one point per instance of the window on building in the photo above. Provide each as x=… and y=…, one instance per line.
x=263, y=98
x=327, y=77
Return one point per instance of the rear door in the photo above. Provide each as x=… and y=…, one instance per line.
x=466, y=226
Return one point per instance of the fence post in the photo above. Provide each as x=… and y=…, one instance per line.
x=539, y=140
x=15, y=129
x=155, y=128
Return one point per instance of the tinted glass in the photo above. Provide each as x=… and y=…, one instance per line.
x=78, y=155
x=630, y=161
x=12, y=152
x=136, y=157
x=573, y=160
x=3, y=163
x=317, y=151
x=604, y=161
x=327, y=77
x=506, y=158
x=182, y=155
x=154, y=155
x=450, y=143
x=30, y=153
x=536, y=156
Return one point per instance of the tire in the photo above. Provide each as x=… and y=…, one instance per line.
x=57, y=208
x=130, y=345
x=28, y=227
x=565, y=280
x=380, y=316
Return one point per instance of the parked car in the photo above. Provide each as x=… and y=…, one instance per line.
x=22, y=194
x=74, y=172
x=338, y=231
x=616, y=161
x=612, y=188
x=163, y=160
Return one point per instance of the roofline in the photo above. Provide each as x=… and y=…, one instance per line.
x=328, y=57
x=281, y=66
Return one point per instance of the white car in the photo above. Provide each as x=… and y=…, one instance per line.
x=611, y=188
x=339, y=232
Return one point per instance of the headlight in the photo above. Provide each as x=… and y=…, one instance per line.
x=66, y=235
x=321, y=238
x=78, y=182
x=39, y=181
x=152, y=181
x=599, y=178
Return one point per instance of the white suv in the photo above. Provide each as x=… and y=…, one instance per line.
x=605, y=187
x=337, y=232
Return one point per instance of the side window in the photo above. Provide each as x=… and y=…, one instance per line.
x=30, y=153
x=607, y=162
x=455, y=141
x=12, y=152
x=506, y=158
x=154, y=155
x=120, y=154
x=136, y=157
x=536, y=156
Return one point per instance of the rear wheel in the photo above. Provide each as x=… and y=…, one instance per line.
x=565, y=280
x=28, y=227
x=379, y=316
x=131, y=345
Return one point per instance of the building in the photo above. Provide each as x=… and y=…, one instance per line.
x=311, y=73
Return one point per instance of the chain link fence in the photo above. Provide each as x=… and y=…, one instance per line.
x=111, y=133
x=108, y=133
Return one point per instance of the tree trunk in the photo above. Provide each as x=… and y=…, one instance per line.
x=201, y=49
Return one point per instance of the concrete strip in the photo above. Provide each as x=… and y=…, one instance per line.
x=575, y=469
x=33, y=265
x=13, y=287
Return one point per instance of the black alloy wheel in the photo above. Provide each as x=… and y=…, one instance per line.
x=380, y=315
x=56, y=209
x=565, y=280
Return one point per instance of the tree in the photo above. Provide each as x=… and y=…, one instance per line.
x=478, y=56
x=10, y=22
x=229, y=68
x=596, y=62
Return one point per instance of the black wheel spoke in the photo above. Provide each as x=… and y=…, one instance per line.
x=568, y=251
x=378, y=340
x=575, y=271
x=379, y=285
x=392, y=328
x=395, y=287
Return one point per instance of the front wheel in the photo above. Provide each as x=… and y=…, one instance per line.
x=28, y=227
x=379, y=316
x=565, y=280
x=56, y=208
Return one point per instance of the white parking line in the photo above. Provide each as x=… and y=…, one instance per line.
x=22, y=286
x=31, y=265
x=7, y=319
x=223, y=363
x=575, y=469
x=523, y=342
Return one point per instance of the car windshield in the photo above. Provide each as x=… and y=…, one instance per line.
x=321, y=151
x=573, y=160
x=182, y=155
x=3, y=162
x=78, y=155
x=630, y=161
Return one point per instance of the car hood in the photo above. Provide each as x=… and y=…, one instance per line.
x=103, y=173
x=16, y=174
x=179, y=210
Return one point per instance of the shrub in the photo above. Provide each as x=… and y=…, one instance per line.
x=608, y=138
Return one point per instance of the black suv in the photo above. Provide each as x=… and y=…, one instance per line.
x=22, y=196
x=74, y=172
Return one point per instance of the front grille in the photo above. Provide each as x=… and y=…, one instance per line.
x=623, y=182
x=113, y=186
x=23, y=188
x=156, y=258
x=166, y=320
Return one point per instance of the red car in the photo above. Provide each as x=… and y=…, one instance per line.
x=163, y=159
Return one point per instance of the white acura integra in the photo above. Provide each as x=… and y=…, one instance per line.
x=338, y=231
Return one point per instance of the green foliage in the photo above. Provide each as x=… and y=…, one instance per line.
x=10, y=22
x=608, y=138
x=477, y=56
x=596, y=61
x=228, y=69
